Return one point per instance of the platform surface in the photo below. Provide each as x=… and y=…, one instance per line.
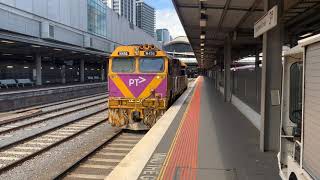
x=210, y=139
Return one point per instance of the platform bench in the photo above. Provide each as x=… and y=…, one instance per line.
x=8, y=82
x=24, y=82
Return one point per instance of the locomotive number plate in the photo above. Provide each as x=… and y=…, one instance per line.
x=123, y=53
x=150, y=53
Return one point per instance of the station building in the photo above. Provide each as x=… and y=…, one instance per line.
x=181, y=48
x=59, y=42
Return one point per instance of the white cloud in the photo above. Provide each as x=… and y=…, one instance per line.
x=168, y=18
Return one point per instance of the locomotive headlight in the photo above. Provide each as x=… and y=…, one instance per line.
x=113, y=103
x=158, y=77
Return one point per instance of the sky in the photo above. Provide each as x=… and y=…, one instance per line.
x=166, y=17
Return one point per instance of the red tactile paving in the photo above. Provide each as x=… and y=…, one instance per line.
x=183, y=154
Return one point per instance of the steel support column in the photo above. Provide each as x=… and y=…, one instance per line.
x=227, y=72
x=38, y=70
x=256, y=69
x=103, y=74
x=63, y=74
x=271, y=83
x=218, y=79
x=82, y=70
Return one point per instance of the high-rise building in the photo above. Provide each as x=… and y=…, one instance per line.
x=126, y=8
x=146, y=17
x=163, y=35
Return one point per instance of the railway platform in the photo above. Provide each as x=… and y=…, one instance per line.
x=24, y=98
x=200, y=137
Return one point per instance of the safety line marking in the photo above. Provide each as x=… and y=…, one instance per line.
x=183, y=151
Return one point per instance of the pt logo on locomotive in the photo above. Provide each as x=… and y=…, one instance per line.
x=136, y=82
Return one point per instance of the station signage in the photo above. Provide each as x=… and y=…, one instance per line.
x=267, y=22
x=150, y=53
x=123, y=53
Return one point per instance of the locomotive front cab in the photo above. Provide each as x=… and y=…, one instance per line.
x=137, y=82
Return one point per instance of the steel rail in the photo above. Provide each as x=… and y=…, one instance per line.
x=23, y=159
x=52, y=117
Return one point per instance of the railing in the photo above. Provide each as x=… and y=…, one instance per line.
x=297, y=152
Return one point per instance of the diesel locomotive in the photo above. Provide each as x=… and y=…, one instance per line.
x=143, y=81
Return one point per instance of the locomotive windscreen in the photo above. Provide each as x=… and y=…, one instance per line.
x=123, y=65
x=151, y=65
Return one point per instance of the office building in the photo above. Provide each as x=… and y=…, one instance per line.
x=146, y=17
x=163, y=35
x=125, y=8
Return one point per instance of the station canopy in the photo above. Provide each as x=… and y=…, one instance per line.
x=207, y=22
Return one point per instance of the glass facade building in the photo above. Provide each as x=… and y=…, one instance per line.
x=163, y=35
x=125, y=8
x=146, y=19
x=97, y=17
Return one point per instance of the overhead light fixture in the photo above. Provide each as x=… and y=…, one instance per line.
x=9, y=67
x=26, y=67
x=73, y=52
x=8, y=42
x=202, y=36
x=305, y=35
x=87, y=54
x=202, y=44
x=57, y=49
x=203, y=20
x=35, y=46
x=7, y=54
x=202, y=49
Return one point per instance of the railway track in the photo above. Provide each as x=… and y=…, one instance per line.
x=47, y=109
x=99, y=162
x=39, y=107
x=20, y=151
x=52, y=114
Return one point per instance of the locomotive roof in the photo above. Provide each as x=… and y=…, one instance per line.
x=137, y=50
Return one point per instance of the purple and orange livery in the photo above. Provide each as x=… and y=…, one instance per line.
x=143, y=81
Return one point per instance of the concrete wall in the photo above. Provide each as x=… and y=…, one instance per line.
x=69, y=18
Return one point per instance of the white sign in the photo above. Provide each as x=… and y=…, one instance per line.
x=267, y=22
x=136, y=82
